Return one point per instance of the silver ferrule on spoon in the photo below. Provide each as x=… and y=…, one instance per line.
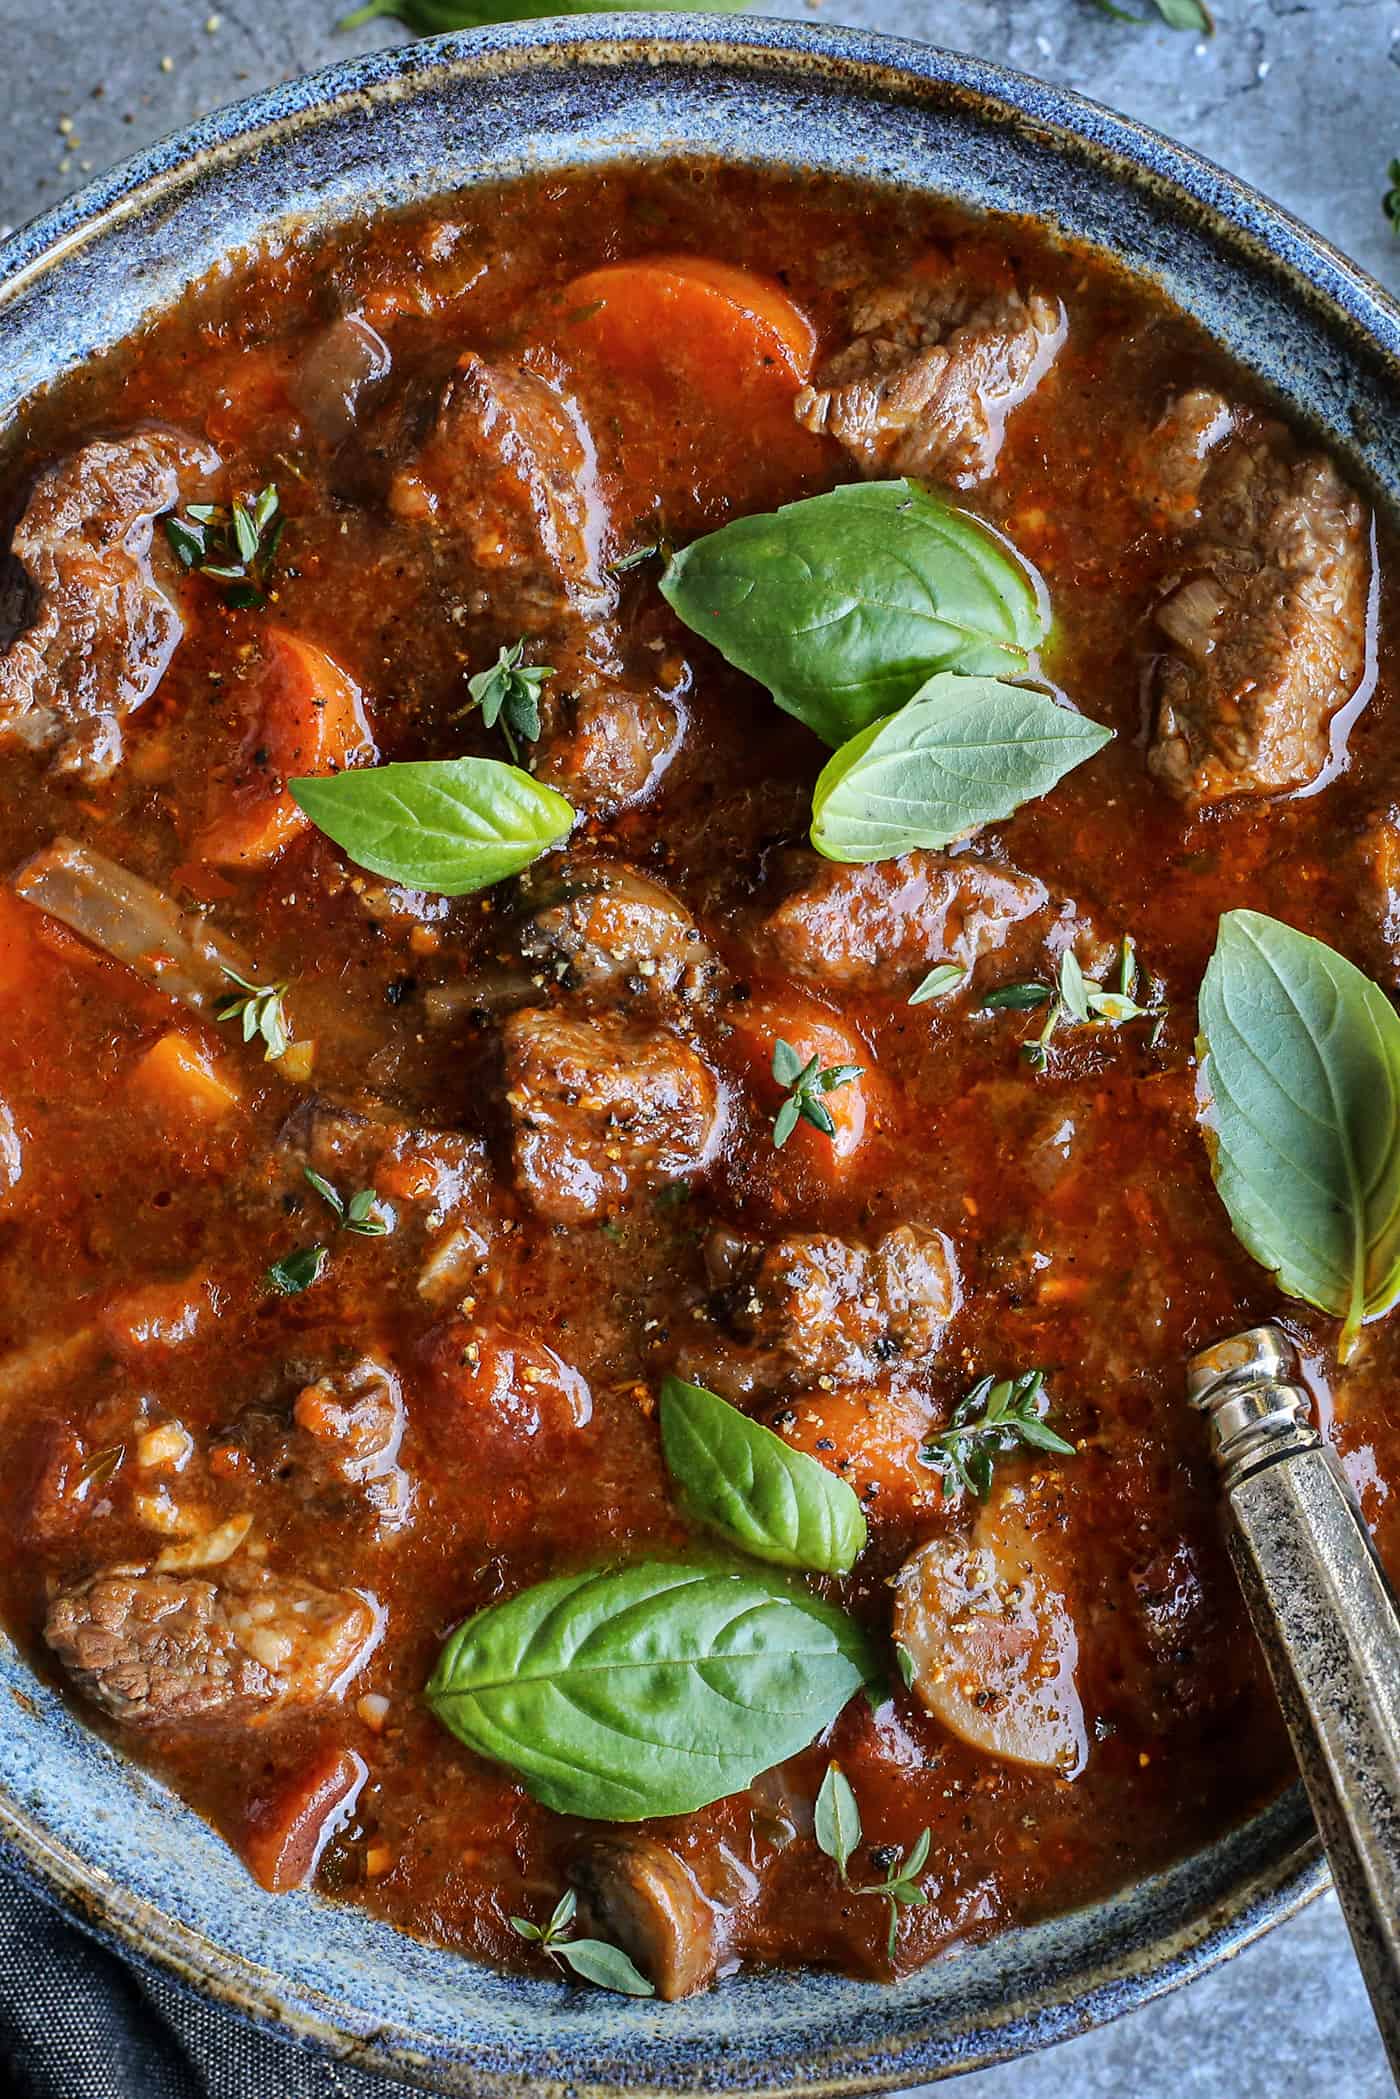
x=1329, y=1625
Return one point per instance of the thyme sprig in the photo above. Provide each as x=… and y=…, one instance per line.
x=260, y=1008
x=509, y=694
x=837, y=1828
x=805, y=1085
x=1076, y=1000
x=594, y=1959
x=998, y=1416
x=234, y=544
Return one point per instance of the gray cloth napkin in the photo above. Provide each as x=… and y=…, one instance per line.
x=77, y=2023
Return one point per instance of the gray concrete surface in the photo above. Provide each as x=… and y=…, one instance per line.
x=1302, y=98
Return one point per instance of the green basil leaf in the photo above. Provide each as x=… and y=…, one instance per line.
x=649, y=1689
x=737, y=1476
x=964, y=752
x=429, y=17
x=1300, y=1102
x=446, y=825
x=843, y=604
x=596, y=1961
x=836, y=1818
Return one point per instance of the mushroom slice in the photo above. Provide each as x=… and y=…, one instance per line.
x=647, y=1901
x=992, y=1642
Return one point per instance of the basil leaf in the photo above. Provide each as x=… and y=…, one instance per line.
x=745, y=1482
x=836, y=1818
x=964, y=752
x=1300, y=1101
x=596, y=1961
x=649, y=1689
x=843, y=604
x=446, y=825
x=429, y=17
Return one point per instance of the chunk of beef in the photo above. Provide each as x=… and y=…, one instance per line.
x=1378, y=891
x=602, y=927
x=876, y=926
x=930, y=376
x=509, y=467
x=602, y=1109
x=351, y=1427
x=1266, y=620
x=442, y=1179
x=605, y=739
x=509, y=471
x=158, y=1650
x=103, y=629
x=342, y=371
x=1172, y=461
x=821, y=1307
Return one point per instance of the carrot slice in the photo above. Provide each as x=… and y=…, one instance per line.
x=289, y=1829
x=697, y=363
x=183, y=1083
x=304, y=715
x=19, y=959
x=670, y=310
x=812, y=1031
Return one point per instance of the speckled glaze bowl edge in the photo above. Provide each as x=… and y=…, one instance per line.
x=1160, y=209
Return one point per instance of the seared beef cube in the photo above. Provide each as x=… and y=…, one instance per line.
x=823, y=1307
x=159, y=1650
x=606, y=740
x=1266, y=621
x=604, y=927
x=103, y=629
x=509, y=470
x=601, y=1110
x=877, y=926
x=440, y=1174
x=932, y=373
x=1172, y=462
x=352, y=1424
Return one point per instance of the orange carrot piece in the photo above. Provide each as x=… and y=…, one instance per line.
x=305, y=715
x=289, y=1830
x=177, y=1077
x=701, y=363
x=813, y=1031
x=710, y=313
x=19, y=958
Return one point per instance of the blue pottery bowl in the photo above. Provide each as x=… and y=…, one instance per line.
x=93, y=1830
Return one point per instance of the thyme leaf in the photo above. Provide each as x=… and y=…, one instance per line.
x=941, y=979
x=297, y=1271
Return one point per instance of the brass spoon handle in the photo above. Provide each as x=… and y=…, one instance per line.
x=1328, y=1622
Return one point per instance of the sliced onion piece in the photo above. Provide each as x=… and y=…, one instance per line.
x=132, y=921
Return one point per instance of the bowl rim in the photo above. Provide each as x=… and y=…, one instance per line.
x=1253, y=229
